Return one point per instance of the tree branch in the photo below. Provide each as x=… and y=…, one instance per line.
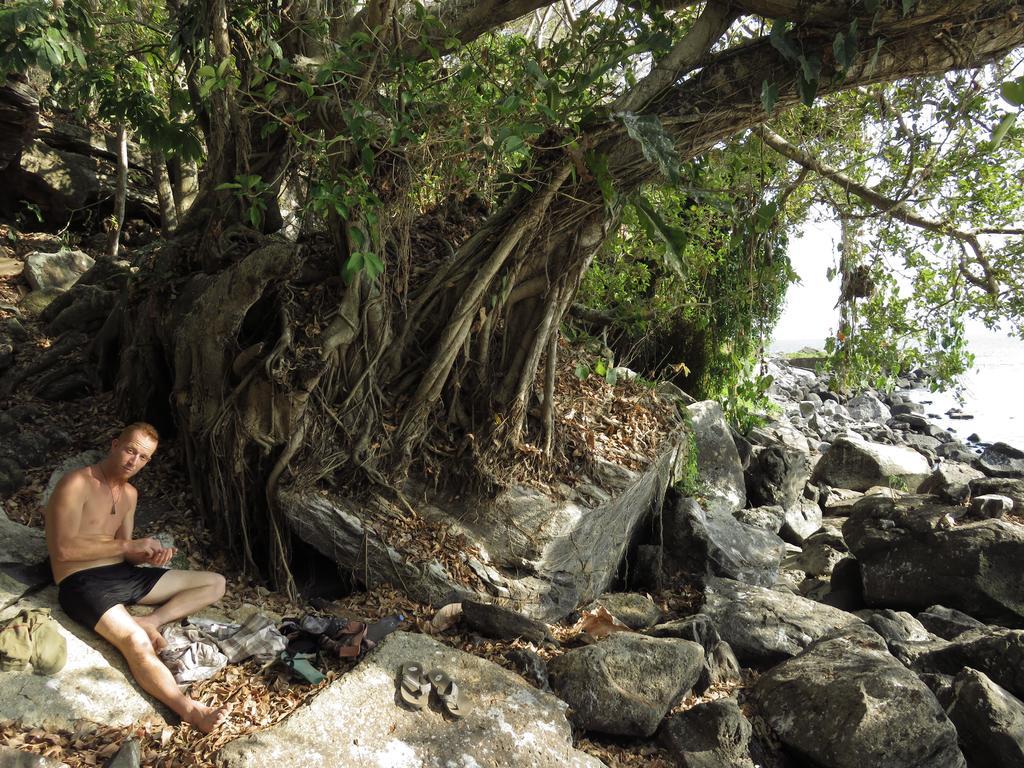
x=684, y=57
x=887, y=205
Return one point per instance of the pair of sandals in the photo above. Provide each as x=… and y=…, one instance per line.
x=415, y=686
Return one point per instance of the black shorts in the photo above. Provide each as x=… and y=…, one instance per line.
x=86, y=595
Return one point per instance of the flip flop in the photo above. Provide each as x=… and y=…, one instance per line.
x=450, y=694
x=414, y=687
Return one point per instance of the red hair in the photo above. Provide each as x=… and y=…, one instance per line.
x=140, y=426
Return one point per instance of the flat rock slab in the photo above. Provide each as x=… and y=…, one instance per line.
x=11, y=267
x=766, y=625
x=359, y=722
x=56, y=270
x=846, y=703
x=93, y=686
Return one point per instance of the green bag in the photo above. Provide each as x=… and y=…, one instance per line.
x=31, y=638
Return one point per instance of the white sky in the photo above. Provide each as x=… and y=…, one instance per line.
x=810, y=313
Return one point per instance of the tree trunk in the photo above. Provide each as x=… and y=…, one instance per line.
x=116, y=223
x=164, y=194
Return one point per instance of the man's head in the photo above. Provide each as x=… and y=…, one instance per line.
x=132, y=449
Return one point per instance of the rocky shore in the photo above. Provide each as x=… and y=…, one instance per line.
x=860, y=604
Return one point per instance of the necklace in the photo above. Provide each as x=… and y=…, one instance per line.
x=110, y=490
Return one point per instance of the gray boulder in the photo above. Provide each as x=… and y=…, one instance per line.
x=769, y=519
x=59, y=270
x=859, y=465
x=720, y=473
x=626, y=683
x=947, y=623
x=846, y=703
x=951, y=481
x=1002, y=460
x=13, y=758
x=899, y=542
x=803, y=517
x=633, y=610
x=821, y=552
x=714, y=542
x=358, y=720
x=714, y=734
x=698, y=628
x=990, y=506
x=989, y=719
x=1004, y=486
x=762, y=625
x=997, y=652
x=20, y=543
x=867, y=407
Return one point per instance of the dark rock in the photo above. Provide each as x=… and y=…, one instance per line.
x=721, y=667
x=939, y=684
x=743, y=447
x=776, y=476
x=701, y=542
x=846, y=703
x=1002, y=460
x=633, y=610
x=501, y=623
x=530, y=665
x=821, y=552
x=714, y=734
x=899, y=542
x=926, y=445
x=951, y=481
x=128, y=756
x=957, y=451
x=989, y=719
x=906, y=407
x=697, y=628
x=59, y=270
x=913, y=420
x=74, y=386
x=860, y=465
x=11, y=476
x=626, y=683
x=947, y=623
x=1004, y=486
x=867, y=407
x=997, y=652
x=762, y=625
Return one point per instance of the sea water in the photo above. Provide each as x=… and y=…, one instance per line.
x=992, y=391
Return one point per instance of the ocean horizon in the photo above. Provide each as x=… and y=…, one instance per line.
x=991, y=389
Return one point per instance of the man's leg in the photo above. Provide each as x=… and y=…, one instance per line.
x=178, y=593
x=124, y=633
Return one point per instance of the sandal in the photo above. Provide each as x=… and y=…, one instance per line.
x=414, y=687
x=449, y=693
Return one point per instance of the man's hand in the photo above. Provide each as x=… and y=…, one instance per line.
x=162, y=557
x=147, y=551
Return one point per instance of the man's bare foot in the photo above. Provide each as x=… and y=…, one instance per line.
x=153, y=632
x=206, y=718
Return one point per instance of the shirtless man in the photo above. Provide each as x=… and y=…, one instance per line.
x=97, y=566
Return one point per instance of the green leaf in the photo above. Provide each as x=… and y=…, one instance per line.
x=1013, y=91
x=765, y=216
x=512, y=143
x=582, y=371
x=675, y=239
x=656, y=145
x=227, y=185
x=782, y=41
x=873, y=63
x=600, y=367
x=807, y=89
x=352, y=267
x=275, y=49
x=374, y=266
x=872, y=5
x=811, y=68
x=908, y=6
x=769, y=95
x=1001, y=130
x=611, y=376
